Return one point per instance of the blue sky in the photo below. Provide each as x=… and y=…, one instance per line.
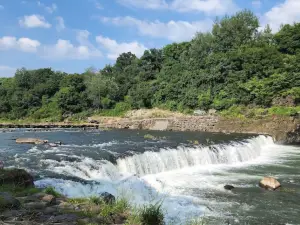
x=72, y=35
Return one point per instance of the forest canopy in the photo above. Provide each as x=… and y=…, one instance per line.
x=237, y=63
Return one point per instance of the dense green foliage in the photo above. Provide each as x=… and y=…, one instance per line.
x=235, y=64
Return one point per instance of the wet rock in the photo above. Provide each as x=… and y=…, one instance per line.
x=49, y=199
x=51, y=211
x=7, y=201
x=228, y=187
x=34, y=141
x=16, y=177
x=35, y=205
x=108, y=198
x=269, y=183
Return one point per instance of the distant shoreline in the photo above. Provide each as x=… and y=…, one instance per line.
x=284, y=130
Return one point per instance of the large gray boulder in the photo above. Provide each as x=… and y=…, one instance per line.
x=16, y=177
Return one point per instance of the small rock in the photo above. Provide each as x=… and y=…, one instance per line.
x=50, y=199
x=39, y=195
x=228, y=187
x=28, y=199
x=66, y=205
x=35, y=205
x=108, y=198
x=64, y=218
x=51, y=211
x=7, y=201
x=269, y=183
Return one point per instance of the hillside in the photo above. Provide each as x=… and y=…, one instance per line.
x=235, y=67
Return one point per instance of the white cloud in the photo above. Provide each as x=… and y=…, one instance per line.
x=64, y=49
x=34, y=21
x=98, y=5
x=22, y=44
x=216, y=7
x=7, y=71
x=287, y=12
x=49, y=9
x=172, y=30
x=146, y=4
x=114, y=49
x=60, y=23
x=257, y=3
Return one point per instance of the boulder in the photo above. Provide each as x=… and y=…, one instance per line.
x=34, y=141
x=49, y=199
x=16, y=178
x=7, y=201
x=108, y=198
x=228, y=187
x=269, y=183
x=35, y=205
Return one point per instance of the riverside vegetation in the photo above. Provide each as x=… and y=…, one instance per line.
x=22, y=203
x=238, y=69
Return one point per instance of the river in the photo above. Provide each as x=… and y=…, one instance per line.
x=186, y=171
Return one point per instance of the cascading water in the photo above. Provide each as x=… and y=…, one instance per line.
x=161, y=161
x=173, y=159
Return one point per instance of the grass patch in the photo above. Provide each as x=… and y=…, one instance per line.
x=244, y=112
x=152, y=215
x=51, y=191
x=149, y=136
x=19, y=191
x=119, y=207
x=77, y=200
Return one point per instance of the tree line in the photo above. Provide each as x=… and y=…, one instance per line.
x=237, y=63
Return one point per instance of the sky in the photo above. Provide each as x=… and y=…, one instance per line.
x=73, y=35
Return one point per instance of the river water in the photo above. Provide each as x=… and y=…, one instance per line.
x=187, y=178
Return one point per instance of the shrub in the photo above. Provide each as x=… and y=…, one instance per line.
x=152, y=215
x=96, y=200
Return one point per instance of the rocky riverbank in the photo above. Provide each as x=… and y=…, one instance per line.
x=284, y=130
x=23, y=203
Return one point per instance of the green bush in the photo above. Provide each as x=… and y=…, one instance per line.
x=152, y=215
x=284, y=111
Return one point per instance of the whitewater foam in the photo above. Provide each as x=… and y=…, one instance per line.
x=183, y=157
x=171, y=175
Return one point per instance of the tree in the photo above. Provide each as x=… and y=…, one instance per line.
x=288, y=38
x=233, y=32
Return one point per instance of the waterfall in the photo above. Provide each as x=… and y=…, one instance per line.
x=183, y=157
